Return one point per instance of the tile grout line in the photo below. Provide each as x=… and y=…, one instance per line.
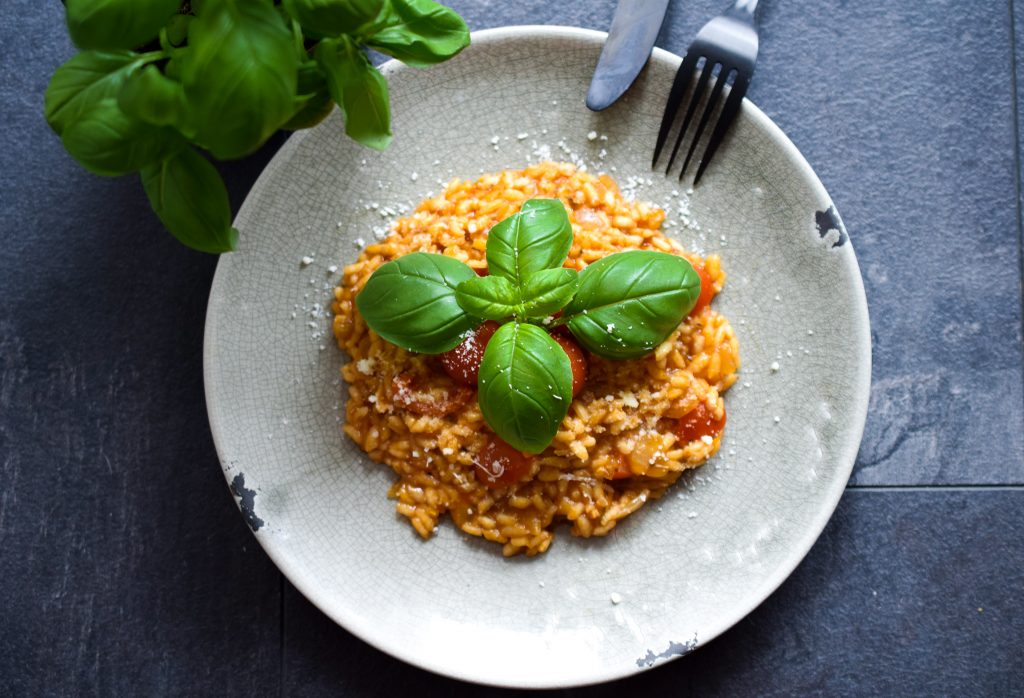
x=1016, y=157
x=936, y=488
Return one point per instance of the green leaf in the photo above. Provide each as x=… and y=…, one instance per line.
x=177, y=29
x=630, y=302
x=189, y=196
x=108, y=142
x=240, y=75
x=78, y=85
x=410, y=302
x=525, y=386
x=547, y=291
x=114, y=24
x=360, y=90
x=315, y=102
x=488, y=297
x=149, y=96
x=334, y=17
x=536, y=238
x=421, y=33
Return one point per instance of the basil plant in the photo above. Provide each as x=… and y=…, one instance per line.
x=157, y=79
x=620, y=307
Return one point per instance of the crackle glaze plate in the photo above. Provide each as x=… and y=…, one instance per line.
x=669, y=578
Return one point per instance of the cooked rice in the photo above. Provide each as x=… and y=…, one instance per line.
x=404, y=410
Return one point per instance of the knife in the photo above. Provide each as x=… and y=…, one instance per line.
x=626, y=50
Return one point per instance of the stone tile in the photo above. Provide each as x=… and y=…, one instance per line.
x=126, y=569
x=905, y=112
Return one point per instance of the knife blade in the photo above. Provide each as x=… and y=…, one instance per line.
x=626, y=50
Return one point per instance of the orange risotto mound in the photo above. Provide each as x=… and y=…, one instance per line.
x=617, y=448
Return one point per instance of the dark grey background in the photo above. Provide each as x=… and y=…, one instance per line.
x=125, y=568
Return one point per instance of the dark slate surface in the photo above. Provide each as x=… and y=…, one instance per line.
x=911, y=593
x=905, y=112
x=1017, y=21
x=125, y=568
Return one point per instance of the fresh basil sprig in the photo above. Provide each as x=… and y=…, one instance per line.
x=334, y=17
x=172, y=186
x=489, y=297
x=156, y=76
x=630, y=302
x=620, y=307
x=240, y=72
x=359, y=88
x=525, y=386
x=547, y=291
x=536, y=238
x=419, y=33
x=107, y=24
x=410, y=302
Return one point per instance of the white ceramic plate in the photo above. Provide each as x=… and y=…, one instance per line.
x=685, y=568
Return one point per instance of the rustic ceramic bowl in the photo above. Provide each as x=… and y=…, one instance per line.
x=683, y=569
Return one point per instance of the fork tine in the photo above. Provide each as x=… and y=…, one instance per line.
x=698, y=91
x=679, y=85
x=728, y=115
x=709, y=108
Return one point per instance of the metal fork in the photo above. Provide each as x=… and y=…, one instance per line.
x=728, y=42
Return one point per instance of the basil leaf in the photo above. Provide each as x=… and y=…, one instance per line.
x=536, y=238
x=410, y=302
x=79, y=84
x=547, y=291
x=334, y=17
x=108, y=142
x=488, y=297
x=114, y=24
x=189, y=196
x=177, y=29
x=316, y=102
x=360, y=90
x=421, y=33
x=630, y=302
x=239, y=73
x=525, y=386
x=149, y=96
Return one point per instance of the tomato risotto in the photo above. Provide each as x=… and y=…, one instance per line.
x=632, y=428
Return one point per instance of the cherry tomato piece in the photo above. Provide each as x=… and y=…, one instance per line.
x=437, y=400
x=500, y=465
x=707, y=289
x=622, y=471
x=577, y=360
x=699, y=422
x=463, y=362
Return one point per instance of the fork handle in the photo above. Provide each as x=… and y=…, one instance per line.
x=746, y=7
